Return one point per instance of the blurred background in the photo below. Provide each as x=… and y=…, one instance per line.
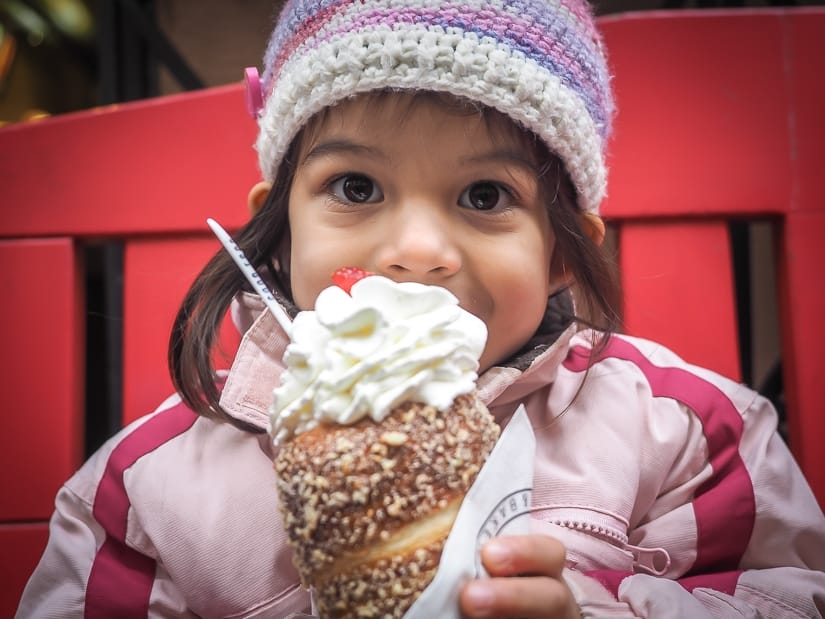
x=57, y=56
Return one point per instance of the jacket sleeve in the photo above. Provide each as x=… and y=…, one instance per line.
x=58, y=585
x=753, y=529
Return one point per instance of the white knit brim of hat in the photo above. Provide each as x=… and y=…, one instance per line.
x=428, y=58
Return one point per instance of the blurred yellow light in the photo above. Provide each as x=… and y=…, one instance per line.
x=71, y=17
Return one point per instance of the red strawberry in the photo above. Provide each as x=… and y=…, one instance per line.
x=345, y=277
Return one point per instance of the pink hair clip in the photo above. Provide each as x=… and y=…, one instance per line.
x=254, y=96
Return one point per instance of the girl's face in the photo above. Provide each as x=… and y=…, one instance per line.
x=421, y=192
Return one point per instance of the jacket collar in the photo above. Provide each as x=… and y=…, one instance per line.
x=257, y=367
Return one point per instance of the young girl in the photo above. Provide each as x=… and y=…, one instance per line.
x=462, y=145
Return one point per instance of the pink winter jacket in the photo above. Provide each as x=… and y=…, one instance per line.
x=667, y=483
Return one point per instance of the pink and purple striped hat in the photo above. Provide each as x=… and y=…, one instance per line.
x=540, y=62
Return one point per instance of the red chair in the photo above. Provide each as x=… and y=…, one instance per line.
x=719, y=118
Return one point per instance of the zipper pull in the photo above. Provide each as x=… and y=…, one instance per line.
x=654, y=561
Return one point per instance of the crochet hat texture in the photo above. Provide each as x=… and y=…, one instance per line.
x=539, y=62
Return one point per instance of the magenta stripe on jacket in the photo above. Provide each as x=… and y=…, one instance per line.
x=724, y=505
x=121, y=578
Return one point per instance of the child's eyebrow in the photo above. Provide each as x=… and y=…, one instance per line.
x=337, y=146
x=332, y=147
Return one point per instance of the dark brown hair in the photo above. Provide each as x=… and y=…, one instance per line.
x=265, y=241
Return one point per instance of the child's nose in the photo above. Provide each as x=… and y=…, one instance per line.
x=420, y=242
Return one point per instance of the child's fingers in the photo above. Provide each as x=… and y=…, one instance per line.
x=536, y=555
x=530, y=597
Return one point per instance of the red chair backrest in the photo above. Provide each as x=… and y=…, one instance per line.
x=146, y=175
x=720, y=116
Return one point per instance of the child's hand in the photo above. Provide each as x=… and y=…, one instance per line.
x=525, y=581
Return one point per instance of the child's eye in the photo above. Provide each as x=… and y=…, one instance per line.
x=355, y=188
x=485, y=196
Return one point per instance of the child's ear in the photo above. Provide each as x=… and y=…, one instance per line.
x=257, y=196
x=594, y=227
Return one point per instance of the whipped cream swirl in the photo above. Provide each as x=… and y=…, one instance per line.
x=361, y=354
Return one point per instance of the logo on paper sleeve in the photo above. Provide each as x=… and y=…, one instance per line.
x=506, y=518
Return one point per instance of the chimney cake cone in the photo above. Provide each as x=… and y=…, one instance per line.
x=380, y=434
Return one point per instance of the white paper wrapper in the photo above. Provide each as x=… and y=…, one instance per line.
x=498, y=503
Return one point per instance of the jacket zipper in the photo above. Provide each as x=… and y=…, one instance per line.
x=655, y=561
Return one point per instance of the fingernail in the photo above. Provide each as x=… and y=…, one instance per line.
x=497, y=552
x=478, y=597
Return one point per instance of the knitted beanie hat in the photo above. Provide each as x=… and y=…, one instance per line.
x=540, y=62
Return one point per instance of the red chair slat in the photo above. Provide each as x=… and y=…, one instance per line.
x=702, y=124
x=155, y=166
x=42, y=326
x=157, y=273
x=677, y=284
x=802, y=308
